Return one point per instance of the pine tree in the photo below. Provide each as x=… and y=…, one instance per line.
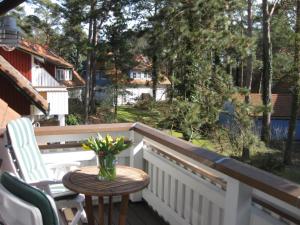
x=120, y=58
x=267, y=71
x=296, y=90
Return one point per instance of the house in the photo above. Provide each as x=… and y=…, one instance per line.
x=36, y=82
x=136, y=84
x=280, y=115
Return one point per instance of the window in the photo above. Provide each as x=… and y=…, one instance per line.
x=63, y=74
x=134, y=75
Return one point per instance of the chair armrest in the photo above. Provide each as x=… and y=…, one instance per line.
x=43, y=183
x=62, y=165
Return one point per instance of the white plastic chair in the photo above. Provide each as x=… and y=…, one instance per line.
x=29, y=165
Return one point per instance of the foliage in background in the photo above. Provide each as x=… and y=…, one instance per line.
x=73, y=119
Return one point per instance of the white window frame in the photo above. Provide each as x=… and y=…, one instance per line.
x=63, y=74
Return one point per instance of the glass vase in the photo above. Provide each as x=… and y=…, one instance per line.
x=107, y=167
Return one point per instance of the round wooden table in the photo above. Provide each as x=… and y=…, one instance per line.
x=84, y=180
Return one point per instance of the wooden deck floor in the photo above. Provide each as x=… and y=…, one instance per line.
x=138, y=214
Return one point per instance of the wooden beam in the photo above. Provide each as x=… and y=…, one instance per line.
x=82, y=129
x=7, y=5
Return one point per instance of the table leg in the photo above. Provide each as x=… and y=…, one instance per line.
x=110, y=211
x=123, y=210
x=89, y=210
x=101, y=210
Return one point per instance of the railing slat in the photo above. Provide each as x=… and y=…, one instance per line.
x=196, y=199
x=160, y=184
x=188, y=205
x=166, y=188
x=180, y=198
x=173, y=193
x=205, y=212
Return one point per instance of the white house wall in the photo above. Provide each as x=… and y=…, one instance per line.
x=134, y=93
x=57, y=99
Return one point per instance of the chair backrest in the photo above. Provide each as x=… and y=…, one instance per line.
x=15, y=211
x=26, y=150
x=31, y=195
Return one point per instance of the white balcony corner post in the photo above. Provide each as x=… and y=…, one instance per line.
x=136, y=158
x=237, y=208
x=62, y=120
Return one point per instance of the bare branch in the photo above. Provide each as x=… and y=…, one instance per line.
x=273, y=7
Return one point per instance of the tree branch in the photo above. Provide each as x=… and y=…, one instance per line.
x=273, y=7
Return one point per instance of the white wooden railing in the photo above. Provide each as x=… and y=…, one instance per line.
x=185, y=189
x=41, y=78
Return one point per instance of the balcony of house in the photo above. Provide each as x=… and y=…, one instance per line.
x=55, y=93
x=188, y=185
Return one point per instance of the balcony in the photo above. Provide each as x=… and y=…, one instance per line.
x=55, y=93
x=41, y=78
x=189, y=185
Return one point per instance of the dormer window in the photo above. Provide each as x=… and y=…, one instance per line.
x=63, y=74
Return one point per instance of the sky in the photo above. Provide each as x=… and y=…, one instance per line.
x=28, y=8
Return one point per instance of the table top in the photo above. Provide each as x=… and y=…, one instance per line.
x=84, y=180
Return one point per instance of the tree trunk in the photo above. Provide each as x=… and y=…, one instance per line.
x=93, y=67
x=249, y=66
x=88, y=66
x=287, y=159
x=172, y=78
x=249, y=70
x=266, y=74
x=154, y=76
x=116, y=92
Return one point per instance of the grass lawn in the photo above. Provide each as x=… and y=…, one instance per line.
x=202, y=143
x=131, y=114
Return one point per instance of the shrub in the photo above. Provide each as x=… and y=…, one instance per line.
x=73, y=119
x=269, y=161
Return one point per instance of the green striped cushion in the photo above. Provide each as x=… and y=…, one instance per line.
x=26, y=150
x=29, y=157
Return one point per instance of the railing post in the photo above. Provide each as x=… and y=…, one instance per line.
x=136, y=158
x=237, y=207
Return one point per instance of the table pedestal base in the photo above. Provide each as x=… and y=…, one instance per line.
x=90, y=215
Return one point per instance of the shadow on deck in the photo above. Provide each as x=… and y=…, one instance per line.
x=139, y=213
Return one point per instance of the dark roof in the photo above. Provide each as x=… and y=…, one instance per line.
x=281, y=103
x=7, y=5
x=25, y=86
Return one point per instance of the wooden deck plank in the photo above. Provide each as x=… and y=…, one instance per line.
x=138, y=214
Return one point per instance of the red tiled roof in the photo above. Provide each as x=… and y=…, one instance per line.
x=281, y=103
x=25, y=86
x=44, y=52
x=77, y=81
x=163, y=80
x=143, y=63
x=48, y=55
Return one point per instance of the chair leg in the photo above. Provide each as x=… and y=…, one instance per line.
x=83, y=215
x=62, y=221
x=77, y=217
